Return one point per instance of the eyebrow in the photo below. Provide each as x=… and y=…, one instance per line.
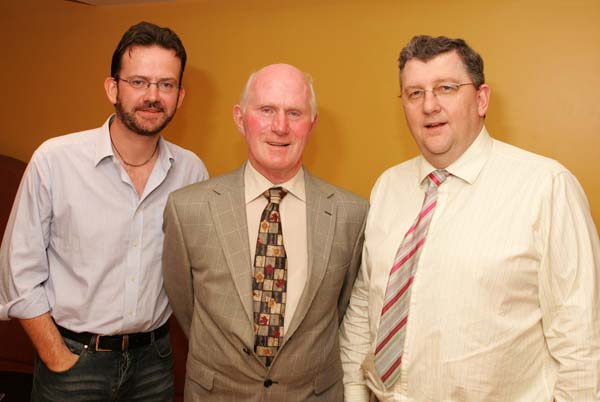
x=149, y=79
x=436, y=82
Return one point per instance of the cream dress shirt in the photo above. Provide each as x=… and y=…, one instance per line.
x=293, y=220
x=505, y=304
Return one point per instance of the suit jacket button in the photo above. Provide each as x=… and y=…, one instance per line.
x=268, y=382
x=246, y=350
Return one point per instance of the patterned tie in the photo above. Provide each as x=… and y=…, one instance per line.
x=394, y=314
x=270, y=279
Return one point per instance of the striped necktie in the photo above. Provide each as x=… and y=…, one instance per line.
x=394, y=314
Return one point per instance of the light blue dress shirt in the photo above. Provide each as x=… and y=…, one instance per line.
x=82, y=244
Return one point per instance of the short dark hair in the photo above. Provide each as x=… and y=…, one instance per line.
x=147, y=34
x=425, y=48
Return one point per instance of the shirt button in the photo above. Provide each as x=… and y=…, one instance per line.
x=135, y=243
x=268, y=382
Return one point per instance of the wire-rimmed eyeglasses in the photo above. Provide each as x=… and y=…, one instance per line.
x=166, y=86
x=446, y=90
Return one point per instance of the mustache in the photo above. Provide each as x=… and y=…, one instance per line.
x=155, y=106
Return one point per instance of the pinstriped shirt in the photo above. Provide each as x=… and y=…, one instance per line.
x=505, y=303
x=81, y=244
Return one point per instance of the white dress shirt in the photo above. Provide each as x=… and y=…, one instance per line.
x=505, y=303
x=293, y=225
x=82, y=244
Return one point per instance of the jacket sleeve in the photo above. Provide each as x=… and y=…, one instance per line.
x=176, y=268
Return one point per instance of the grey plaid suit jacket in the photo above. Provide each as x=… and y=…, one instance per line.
x=208, y=277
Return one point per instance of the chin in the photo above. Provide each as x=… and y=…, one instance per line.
x=437, y=143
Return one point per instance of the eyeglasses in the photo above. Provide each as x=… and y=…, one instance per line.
x=442, y=91
x=165, y=86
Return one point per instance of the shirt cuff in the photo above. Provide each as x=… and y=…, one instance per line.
x=30, y=306
x=4, y=313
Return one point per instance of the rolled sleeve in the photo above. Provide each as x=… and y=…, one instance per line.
x=23, y=258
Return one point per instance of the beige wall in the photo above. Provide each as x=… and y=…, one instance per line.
x=542, y=62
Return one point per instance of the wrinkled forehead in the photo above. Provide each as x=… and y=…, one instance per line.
x=280, y=89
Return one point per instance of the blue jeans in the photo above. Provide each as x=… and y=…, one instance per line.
x=142, y=374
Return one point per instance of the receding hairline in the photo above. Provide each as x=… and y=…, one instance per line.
x=308, y=80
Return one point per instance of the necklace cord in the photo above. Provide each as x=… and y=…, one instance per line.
x=132, y=164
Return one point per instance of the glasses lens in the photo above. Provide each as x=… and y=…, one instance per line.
x=167, y=86
x=138, y=83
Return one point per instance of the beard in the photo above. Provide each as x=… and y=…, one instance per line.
x=139, y=126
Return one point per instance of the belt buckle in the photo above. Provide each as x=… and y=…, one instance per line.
x=124, y=344
x=98, y=348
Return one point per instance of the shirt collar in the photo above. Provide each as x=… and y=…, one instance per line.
x=165, y=157
x=255, y=184
x=468, y=166
x=104, y=147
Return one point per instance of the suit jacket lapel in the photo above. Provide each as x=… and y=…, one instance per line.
x=320, y=221
x=228, y=208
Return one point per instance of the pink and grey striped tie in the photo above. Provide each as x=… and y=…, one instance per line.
x=394, y=314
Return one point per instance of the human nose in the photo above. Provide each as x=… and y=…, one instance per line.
x=280, y=123
x=151, y=92
x=431, y=103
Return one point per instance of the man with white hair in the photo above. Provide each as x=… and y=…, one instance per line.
x=259, y=263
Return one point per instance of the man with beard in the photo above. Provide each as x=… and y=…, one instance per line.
x=81, y=256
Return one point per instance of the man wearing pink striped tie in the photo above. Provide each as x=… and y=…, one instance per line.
x=481, y=261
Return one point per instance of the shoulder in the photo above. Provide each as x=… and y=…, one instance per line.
x=204, y=190
x=518, y=159
x=398, y=178
x=187, y=159
x=335, y=193
x=78, y=142
x=542, y=183
x=64, y=154
x=520, y=169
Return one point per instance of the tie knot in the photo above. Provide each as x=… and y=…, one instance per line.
x=275, y=194
x=437, y=177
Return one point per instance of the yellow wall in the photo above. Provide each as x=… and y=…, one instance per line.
x=542, y=62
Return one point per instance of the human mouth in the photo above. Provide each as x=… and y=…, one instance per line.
x=278, y=144
x=434, y=125
x=150, y=109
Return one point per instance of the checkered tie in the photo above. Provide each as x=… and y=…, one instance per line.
x=270, y=279
x=394, y=314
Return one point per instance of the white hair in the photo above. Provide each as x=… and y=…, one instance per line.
x=309, y=82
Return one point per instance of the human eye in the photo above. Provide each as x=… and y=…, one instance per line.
x=294, y=114
x=138, y=83
x=167, y=85
x=415, y=93
x=266, y=109
x=445, y=89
